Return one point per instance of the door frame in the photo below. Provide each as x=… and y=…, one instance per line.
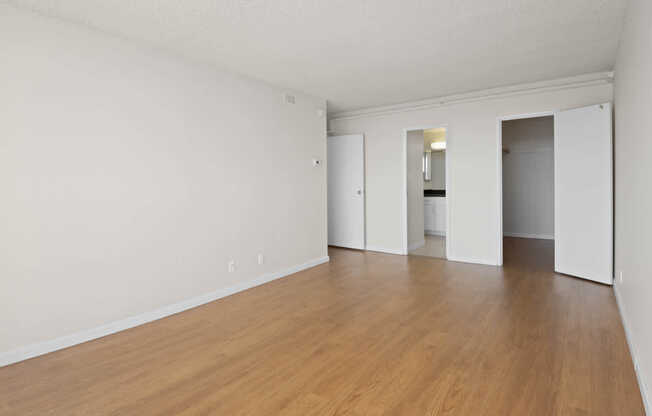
x=447, y=159
x=499, y=164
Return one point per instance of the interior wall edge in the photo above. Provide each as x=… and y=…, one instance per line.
x=633, y=352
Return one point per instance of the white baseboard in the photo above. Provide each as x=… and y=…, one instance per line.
x=439, y=233
x=525, y=235
x=416, y=245
x=384, y=250
x=634, y=353
x=40, y=348
x=473, y=260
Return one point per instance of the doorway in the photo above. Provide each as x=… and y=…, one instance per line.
x=426, y=230
x=582, y=196
x=528, y=197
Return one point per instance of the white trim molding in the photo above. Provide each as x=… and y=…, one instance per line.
x=470, y=260
x=579, y=81
x=34, y=350
x=525, y=235
x=633, y=351
x=384, y=250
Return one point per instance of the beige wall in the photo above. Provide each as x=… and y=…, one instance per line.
x=633, y=167
x=473, y=162
x=128, y=179
x=415, y=187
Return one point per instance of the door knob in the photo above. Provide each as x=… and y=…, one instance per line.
x=359, y=192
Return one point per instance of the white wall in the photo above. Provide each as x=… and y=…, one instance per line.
x=438, y=176
x=529, y=178
x=472, y=156
x=633, y=205
x=128, y=178
x=415, y=188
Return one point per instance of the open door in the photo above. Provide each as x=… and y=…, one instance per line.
x=584, y=193
x=346, y=191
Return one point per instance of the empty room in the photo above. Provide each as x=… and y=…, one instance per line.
x=325, y=208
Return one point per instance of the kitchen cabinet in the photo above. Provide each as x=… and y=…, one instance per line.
x=434, y=215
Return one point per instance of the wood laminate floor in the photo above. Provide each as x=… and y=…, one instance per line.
x=434, y=246
x=366, y=334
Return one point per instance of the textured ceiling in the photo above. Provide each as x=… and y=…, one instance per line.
x=362, y=53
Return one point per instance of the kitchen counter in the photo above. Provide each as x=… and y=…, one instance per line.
x=434, y=210
x=434, y=192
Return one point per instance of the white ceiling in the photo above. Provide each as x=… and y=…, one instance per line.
x=362, y=53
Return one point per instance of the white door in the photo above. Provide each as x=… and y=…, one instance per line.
x=584, y=193
x=346, y=191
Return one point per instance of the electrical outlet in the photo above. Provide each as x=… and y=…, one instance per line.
x=620, y=277
x=261, y=258
x=231, y=266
